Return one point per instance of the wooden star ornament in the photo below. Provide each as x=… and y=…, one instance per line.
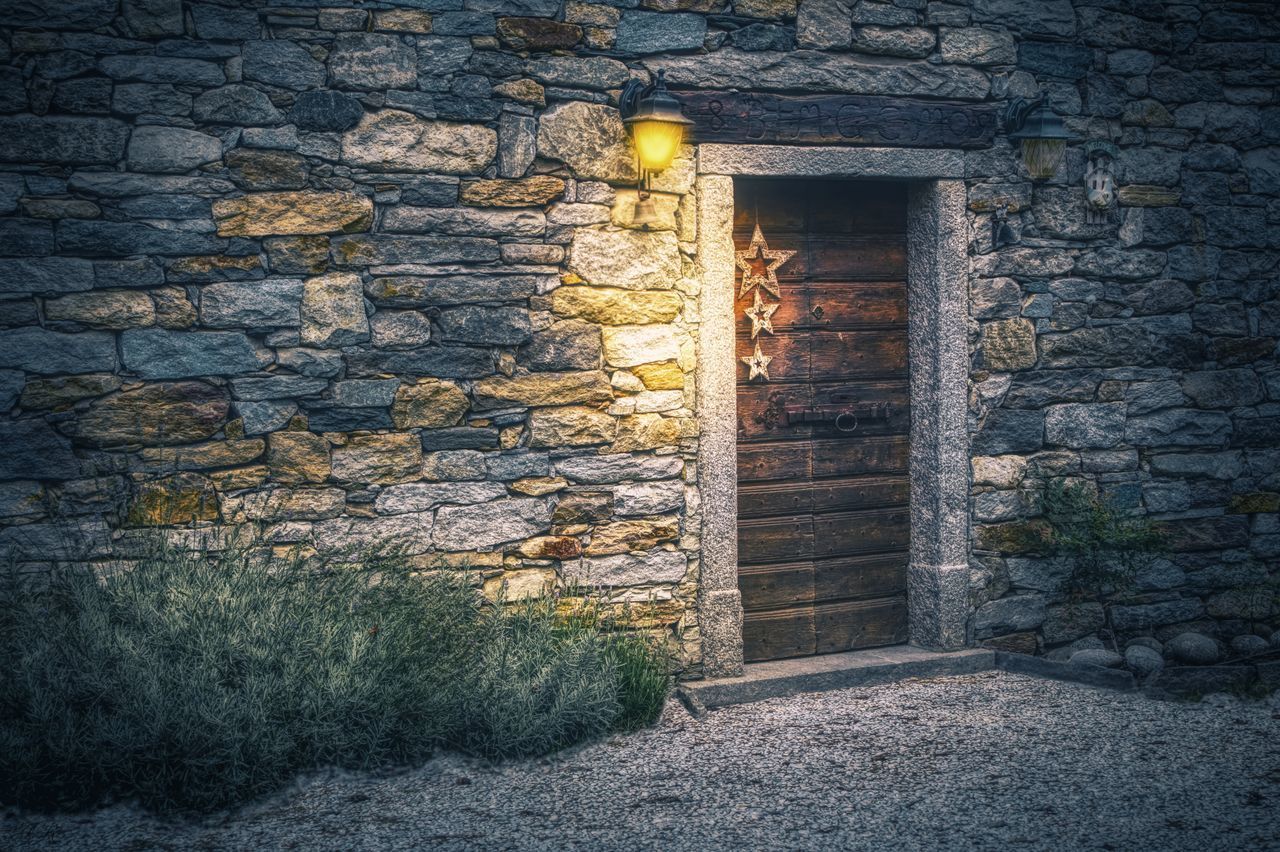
x=758, y=364
x=767, y=280
x=761, y=315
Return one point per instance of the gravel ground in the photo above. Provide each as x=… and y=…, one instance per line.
x=989, y=761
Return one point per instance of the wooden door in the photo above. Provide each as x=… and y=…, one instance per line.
x=823, y=522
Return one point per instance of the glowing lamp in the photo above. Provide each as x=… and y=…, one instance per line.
x=657, y=126
x=1040, y=132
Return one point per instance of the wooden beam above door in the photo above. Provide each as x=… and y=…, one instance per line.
x=763, y=118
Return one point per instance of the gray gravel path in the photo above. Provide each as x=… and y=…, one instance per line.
x=989, y=761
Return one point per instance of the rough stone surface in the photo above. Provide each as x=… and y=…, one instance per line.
x=1194, y=649
x=332, y=311
x=397, y=140
x=268, y=213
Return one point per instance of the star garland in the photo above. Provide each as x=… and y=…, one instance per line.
x=761, y=312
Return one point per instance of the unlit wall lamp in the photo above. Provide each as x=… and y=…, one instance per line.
x=657, y=126
x=1039, y=130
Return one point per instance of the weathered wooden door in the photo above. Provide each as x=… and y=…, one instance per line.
x=823, y=522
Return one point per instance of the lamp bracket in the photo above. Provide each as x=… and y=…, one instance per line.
x=1017, y=110
x=632, y=93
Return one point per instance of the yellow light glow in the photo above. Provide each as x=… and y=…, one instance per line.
x=1042, y=156
x=656, y=143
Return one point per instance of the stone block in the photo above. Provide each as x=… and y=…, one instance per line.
x=533, y=191
x=1009, y=615
x=648, y=498
x=251, y=304
x=62, y=139
x=488, y=524
x=570, y=425
x=372, y=61
x=163, y=69
x=619, y=467
x=977, y=46
x=628, y=259
x=235, y=104
x=655, y=32
x=1223, y=388
x=906, y=42
x=589, y=138
x=588, y=72
x=1009, y=344
x=626, y=569
x=1179, y=427
x=629, y=345
x=1010, y=431
x=163, y=354
x=505, y=326
x=305, y=212
x=298, y=457
x=378, y=459
x=424, y=496
x=566, y=345
x=31, y=449
x=560, y=388
x=111, y=309
x=277, y=386
x=465, y=221
x=325, y=111
x=395, y=140
x=283, y=63
x=429, y=404
x=254, y=169
x=47, y=352
x=614, y=306
x=182, y=498
x=332, y=311
x=820, y=71
x=1085, y=426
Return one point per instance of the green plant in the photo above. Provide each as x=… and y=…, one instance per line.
x=197, y=681
x=1104, y=546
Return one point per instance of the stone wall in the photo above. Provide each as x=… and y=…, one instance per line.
x=360, y=273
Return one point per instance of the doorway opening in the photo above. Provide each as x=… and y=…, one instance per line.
x=823, y=414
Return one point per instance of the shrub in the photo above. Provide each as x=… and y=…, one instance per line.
x=193, y=681
x=1103, y=546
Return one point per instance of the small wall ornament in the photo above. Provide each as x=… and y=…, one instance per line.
x=1099, y=181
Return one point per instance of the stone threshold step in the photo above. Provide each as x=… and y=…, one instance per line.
x=780, y=678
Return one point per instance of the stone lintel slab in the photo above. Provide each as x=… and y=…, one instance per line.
x=779, y=678
x=829, y=161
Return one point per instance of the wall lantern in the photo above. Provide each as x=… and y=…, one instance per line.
x=657, y=126
x=1040, y=131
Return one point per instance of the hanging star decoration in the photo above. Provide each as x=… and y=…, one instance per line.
x=768, y=280
x=761, y=315
x=758, y=364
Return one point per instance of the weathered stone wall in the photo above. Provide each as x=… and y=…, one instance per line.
x=361, y=273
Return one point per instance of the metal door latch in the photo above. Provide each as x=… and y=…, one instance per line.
x=844, y=417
